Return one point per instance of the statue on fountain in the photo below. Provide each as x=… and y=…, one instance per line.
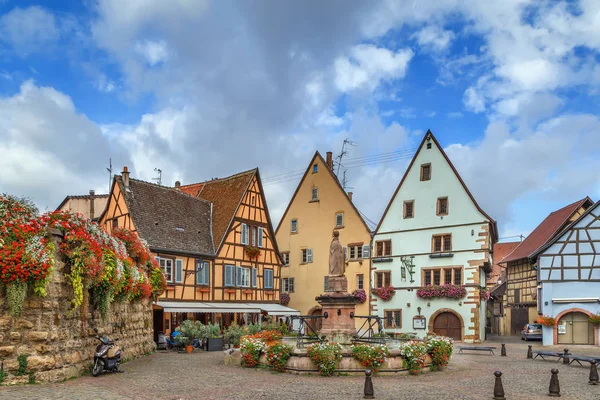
x=336, y=256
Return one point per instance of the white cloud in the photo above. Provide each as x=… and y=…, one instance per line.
x=154, y=52
x=474, y=100
x=434, y=37
x=28, y=30
x=103, y=84
x=368, y=65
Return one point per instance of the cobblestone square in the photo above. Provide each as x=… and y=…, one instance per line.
x=202, y=375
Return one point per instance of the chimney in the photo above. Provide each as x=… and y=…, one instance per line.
x=177, y=184
x=330, y=160
x=92, y=199
x=125, y=176
x=350, y=195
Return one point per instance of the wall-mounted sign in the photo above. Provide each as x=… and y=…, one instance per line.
x=562, y=328
x=419, y=322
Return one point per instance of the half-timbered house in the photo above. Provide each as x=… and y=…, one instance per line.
x=433, y=235
x=522, y=280
x=568, y=269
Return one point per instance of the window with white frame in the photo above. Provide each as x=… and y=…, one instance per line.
x=268, y=278
x=202, y=273
x=294, y=226
x=242, y=277
x=285, y=258
x=339, y=220
x=245, y=234
x=287, y=285
x=229, y=278
x=315, y=194
x=307, y=256
x=166, y=264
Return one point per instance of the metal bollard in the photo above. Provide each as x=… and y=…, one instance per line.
x=593, y=374
x=503, y=351
x=529, y=352
x=566, y=357
x=554, y=390
x=498, y=388
x=369, y=392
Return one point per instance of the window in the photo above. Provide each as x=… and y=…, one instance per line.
x=441, y=243
x=442, y=276
x=259, y=237
x=254, y=277
x=288, y=285
x=268, y=278
x=383, y=279
x=360, y=281
x=294, y=226
x=306, y=256
x=339, y=220
x=384, y=248
x=245, y=234
x=242, y=277
x=425, y=172
x=202, y=273
x=393, y=319
x=409, y=211
x=356, y=251
x=315, y=194
x=315, y=168
x=286, y=258
x=166, y=264
x=229, y=279
x=442, y=206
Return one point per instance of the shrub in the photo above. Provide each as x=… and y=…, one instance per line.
x=371, y=357
x=325, y=356
x=233, y=334
x=413, y=355
x=277, y=355
x=595, y=319
x=440, y=350
x=547, y=321
x=251, y=350
x=253, y=329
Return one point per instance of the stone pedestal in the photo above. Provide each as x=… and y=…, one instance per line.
x=339, y=305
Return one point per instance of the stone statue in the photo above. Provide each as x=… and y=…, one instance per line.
x=336, y=256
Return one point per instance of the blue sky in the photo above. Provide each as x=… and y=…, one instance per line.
x=208, y=88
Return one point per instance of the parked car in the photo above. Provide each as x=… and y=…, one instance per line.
x=532, y=331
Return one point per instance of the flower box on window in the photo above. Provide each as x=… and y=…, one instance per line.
x=230, y=290
x=248, y=291
x=384, y=293
x=442, y=291
x=203, y=289
x=252, y=252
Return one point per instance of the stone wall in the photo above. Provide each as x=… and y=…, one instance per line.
x=59, y=345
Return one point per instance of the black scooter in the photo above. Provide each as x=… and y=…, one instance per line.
x=107, y=356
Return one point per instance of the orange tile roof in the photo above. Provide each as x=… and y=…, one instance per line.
x=225, y=194
x=501, y=250
x=550, y=227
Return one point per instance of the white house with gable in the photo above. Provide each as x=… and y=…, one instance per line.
x=434, y=246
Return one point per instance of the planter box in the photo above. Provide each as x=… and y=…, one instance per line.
x=215, y=344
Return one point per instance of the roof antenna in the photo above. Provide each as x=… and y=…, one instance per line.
x=109, y=169
x=159, y=179
x=342, y=154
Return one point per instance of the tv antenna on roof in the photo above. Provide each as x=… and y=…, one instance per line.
x=109, y=169
x=342, y=154
x=159, y=179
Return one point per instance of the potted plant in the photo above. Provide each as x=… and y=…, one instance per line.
x=233, y=334
x=214, y=340
x=188, y=331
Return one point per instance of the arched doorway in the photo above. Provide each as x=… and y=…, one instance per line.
x=447, y=324
x=575, y=328
x=316, y=323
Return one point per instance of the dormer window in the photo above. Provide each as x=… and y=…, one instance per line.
x=315, y=168
x=425, y=172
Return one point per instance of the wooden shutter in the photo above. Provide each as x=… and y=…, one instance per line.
x=259, y=242
x=366, y=251
x=178, y=271
x=238, y=276
x=244, y=234
x=253, y=235
x=309, y=255
x=254, y=277
x=229, y=274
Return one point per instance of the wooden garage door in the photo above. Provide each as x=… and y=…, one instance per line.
x=574, y=328
x=447, y=324
x=519, y=317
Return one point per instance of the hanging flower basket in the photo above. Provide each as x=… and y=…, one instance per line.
x=360, y=294
x=284, y=299
x=252, y=252
x=547, y=321
x=443, y=291
x=384, y=293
